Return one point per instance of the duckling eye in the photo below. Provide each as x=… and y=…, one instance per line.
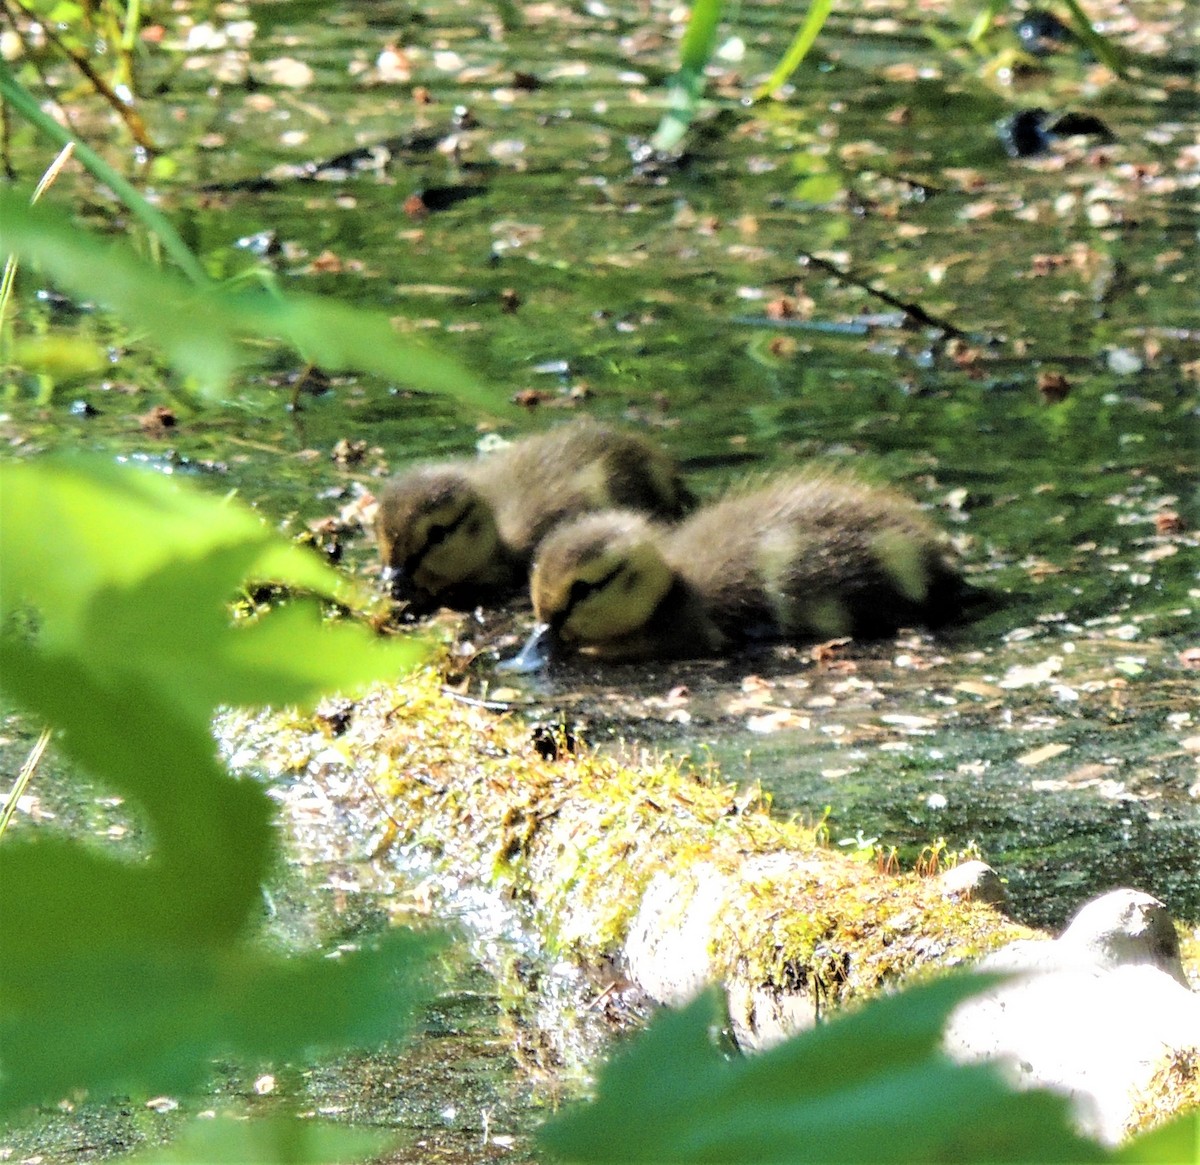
x=580, y=589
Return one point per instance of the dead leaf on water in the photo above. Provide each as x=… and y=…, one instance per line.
x=778, y=720
x=975, y=688
x=1026, y=675
x=287, y=72
x=903, y=721
x=1045, y=753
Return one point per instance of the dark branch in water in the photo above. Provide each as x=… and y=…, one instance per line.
x=913, y=311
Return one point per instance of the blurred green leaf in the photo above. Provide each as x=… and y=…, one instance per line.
x=134, y=975
x=199, y=327
x=818, y=189
x=210, y=831
x=868, y=1087
x=150, y=1019
x=1176, y=1141
x=86, y=525
x=1099, y=46
x=274, y=1141
x=100, y=526
x=984, y=19
x=59, y=355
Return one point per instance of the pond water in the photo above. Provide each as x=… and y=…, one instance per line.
x=1054, y=433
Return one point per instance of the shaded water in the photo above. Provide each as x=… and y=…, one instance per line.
x=648, y=296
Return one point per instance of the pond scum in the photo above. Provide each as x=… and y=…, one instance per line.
x=578, y=838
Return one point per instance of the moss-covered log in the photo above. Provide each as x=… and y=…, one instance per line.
x=666, y=871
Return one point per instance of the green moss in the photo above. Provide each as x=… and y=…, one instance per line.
x=578, y=839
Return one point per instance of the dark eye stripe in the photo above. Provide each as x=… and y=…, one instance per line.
x=435, y=536
x=581, y=589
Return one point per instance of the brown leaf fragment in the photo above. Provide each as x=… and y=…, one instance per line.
x=157, y=421
x=1054, y=387
x=346, y=452
x=1039, y=755
x=327, y=263
x=977, y=688
x=529, y=398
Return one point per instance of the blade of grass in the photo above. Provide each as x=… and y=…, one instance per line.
x=1100, y=47
x=11, y=263
x=23, y=778
x=983, y=22
x=687, y=86
x=818, y=13
x=25, y=104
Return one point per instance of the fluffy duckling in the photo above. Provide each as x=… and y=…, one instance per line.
x=463, y=532
x=809, y=556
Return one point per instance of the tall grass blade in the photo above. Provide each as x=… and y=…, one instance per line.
x=818, y=13
x=25, y=104
x=687, y=86
x=1099, y=46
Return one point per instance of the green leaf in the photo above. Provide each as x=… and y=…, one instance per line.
x=132, y=571
x=59, y=356
x=79, y=525
x=211, y=832
x=872, y=1086
x=1178, y=1140
x=277, y=1141
x=819, y=189
x=150, y=1019
x=984, y=19
x=199, y=328
x=133, y=975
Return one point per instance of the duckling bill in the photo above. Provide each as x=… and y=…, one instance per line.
x=462, y=533
x=806, y=557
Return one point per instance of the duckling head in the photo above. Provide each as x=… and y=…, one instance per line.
x=435, y=532
x=596, y=581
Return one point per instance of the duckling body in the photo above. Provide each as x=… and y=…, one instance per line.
x=462, y=533
x=809, y=556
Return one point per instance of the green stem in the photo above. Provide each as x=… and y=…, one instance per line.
x=23, y=102
x=818, y=13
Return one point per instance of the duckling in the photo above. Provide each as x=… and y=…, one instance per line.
x=808, y=556
x=463, y=532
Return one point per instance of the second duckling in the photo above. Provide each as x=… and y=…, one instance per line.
x=809, y=556
x=462, y=533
